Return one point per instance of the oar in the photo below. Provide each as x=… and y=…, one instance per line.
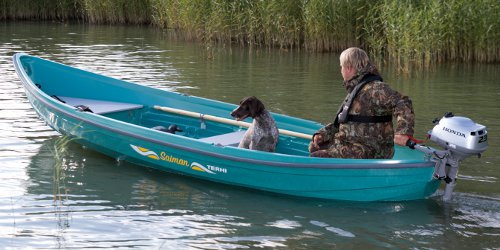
x=226, y=121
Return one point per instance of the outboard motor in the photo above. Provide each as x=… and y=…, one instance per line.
x=460, y=137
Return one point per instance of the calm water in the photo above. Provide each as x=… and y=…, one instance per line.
x=99, y=203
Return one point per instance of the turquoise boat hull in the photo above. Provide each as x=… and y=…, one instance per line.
x=122, y=129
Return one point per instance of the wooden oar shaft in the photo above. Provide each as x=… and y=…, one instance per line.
x=225, y=120
x=206, y=117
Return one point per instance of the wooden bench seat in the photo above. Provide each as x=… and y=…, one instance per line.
x=229, y=139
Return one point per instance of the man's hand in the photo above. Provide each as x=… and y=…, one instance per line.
x=314, y=145
x=401, y=139
x=317, y=139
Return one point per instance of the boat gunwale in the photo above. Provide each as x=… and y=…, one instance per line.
x=378, y=164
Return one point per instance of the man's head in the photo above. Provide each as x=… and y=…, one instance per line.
x=352, y=61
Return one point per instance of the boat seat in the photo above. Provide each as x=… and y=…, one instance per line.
x=229, y=139
x=99, y=106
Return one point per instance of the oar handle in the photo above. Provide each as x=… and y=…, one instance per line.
x=225, y=120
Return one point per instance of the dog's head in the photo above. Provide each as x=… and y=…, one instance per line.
x=249, y=107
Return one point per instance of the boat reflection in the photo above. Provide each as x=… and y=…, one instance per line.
x=94, y=186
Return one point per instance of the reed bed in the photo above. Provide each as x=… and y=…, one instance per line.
x=117, y=11
x=430, y=31
x=40, y=10
x=405, y=31
x=333, y=26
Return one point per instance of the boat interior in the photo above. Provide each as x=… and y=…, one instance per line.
x=219, y=134
x=77, y=87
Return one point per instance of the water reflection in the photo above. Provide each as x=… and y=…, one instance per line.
x=106, y=204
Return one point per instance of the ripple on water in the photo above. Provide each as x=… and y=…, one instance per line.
x=285, y=224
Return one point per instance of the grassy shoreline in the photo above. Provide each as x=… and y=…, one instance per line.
x=406, y=32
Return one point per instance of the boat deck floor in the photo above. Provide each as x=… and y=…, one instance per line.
x=99, y=106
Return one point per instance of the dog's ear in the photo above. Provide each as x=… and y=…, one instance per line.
x=256, y=107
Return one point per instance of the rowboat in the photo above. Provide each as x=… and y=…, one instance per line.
x=118, y=118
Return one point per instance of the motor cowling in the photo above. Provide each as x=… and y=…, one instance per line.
x=460, y=135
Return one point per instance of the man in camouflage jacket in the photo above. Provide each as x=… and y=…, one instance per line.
x=366, y=139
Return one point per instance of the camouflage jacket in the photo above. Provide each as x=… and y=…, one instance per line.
x=369, y=140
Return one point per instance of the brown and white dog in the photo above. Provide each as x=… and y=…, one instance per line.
x=263, y=133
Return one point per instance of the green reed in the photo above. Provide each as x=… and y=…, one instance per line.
x=428, y=31
x=185, y=16
x=407, y=32
x=40, y=9
x=117, y=11
x=60, y=153
x=334, y=25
